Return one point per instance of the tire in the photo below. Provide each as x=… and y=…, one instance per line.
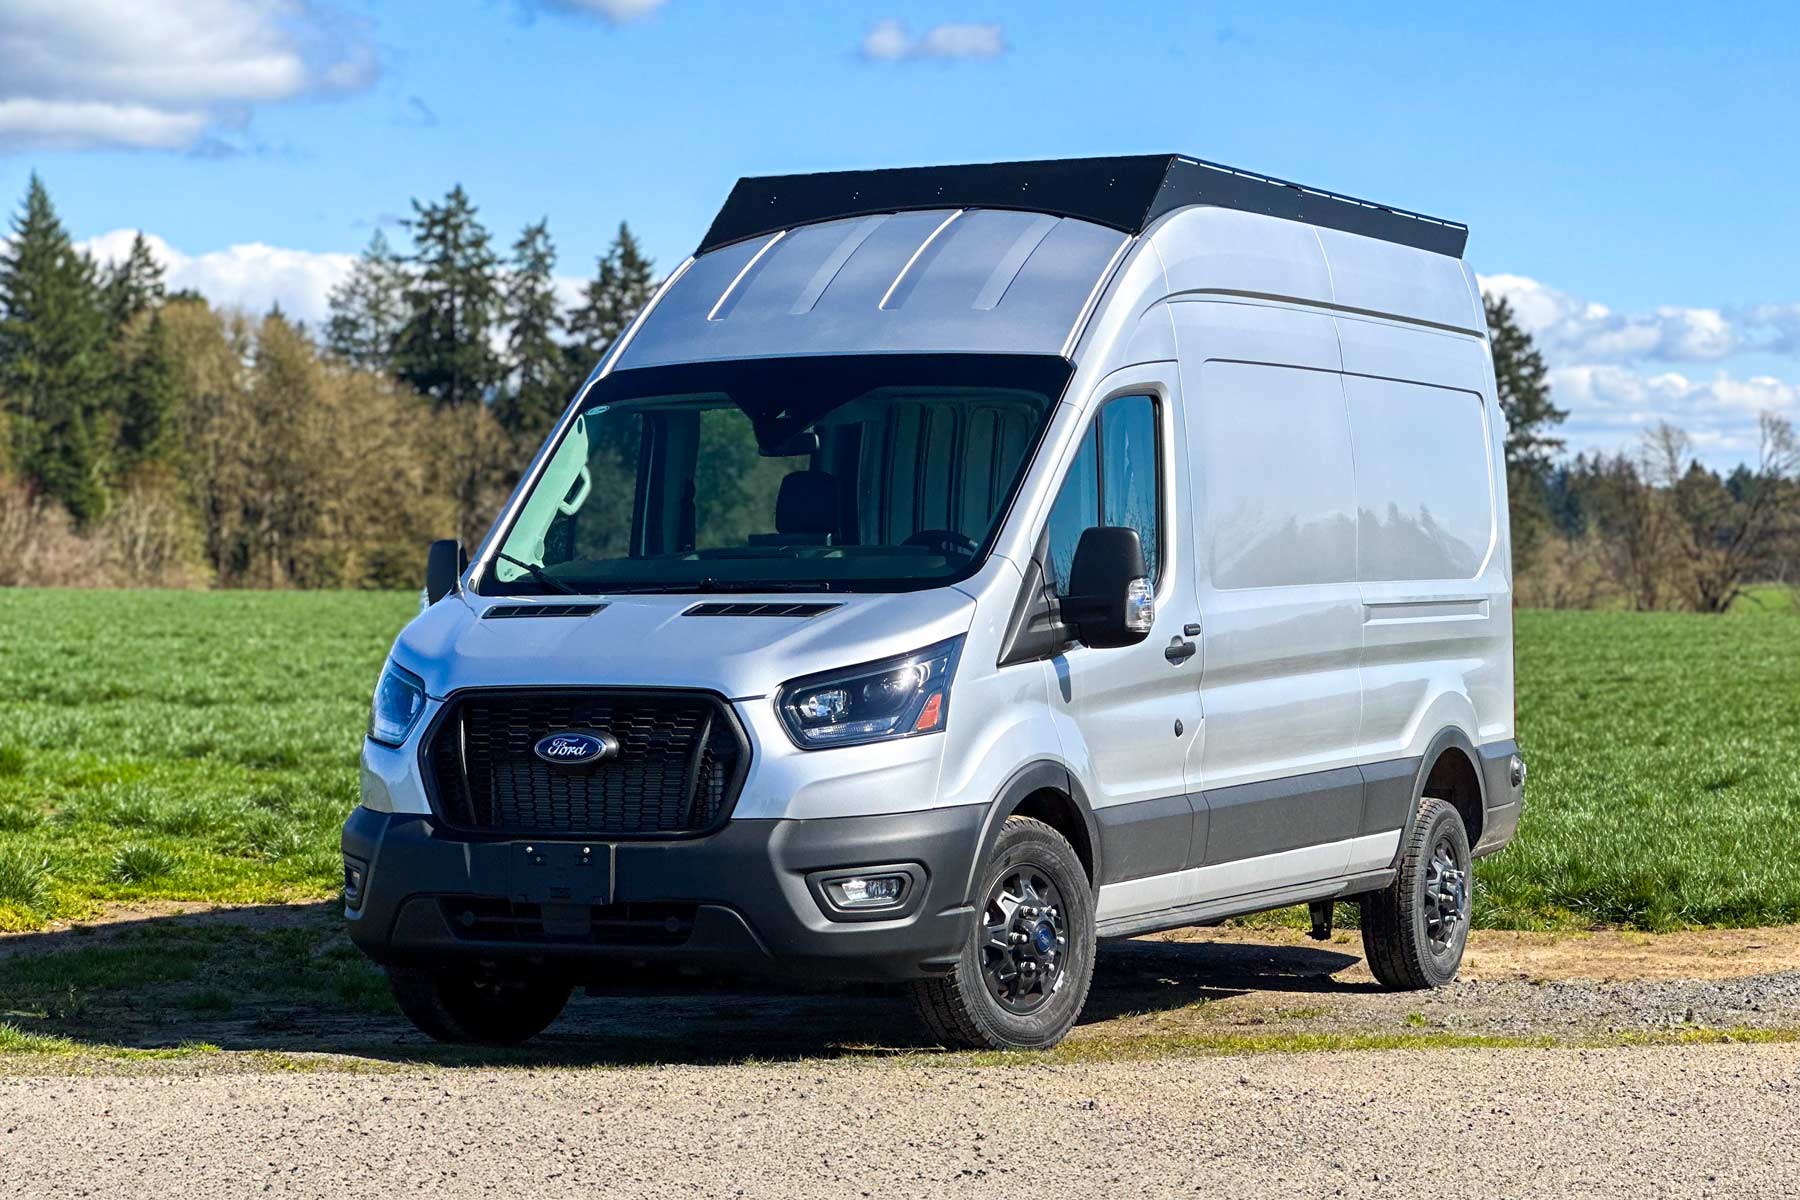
x=1410, y=938
x=966, y=1009
x=482, y=1011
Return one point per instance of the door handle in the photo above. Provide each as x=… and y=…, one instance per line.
x=1179, y=651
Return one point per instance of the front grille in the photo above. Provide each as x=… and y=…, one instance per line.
x=483, y=919
x=681, y=760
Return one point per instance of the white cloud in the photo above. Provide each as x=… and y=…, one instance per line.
x=249, y=276
x=164, y=74
x=1776, y=325
x=890, y=41
x=1611, y=405
x=1617, y=373
x=613, y=12
x=60, y=125
x=1566, y=327
x=254, y=277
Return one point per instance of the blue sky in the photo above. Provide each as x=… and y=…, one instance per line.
x=1627, y=169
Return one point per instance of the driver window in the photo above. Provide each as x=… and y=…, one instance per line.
x=1114, y=480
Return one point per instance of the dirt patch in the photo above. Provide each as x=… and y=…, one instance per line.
x=1600, y=955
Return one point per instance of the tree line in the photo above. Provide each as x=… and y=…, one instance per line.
x=1648, y=528
x=148, y=438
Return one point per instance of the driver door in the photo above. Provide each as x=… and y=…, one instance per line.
x=1127, y=716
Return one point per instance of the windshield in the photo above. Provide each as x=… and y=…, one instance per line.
x=867, y=473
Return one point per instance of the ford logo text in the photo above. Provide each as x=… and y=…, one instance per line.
x=575, y=748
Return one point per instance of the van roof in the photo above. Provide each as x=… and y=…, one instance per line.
x=1126, y=193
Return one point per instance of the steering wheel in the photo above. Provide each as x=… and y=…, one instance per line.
x=946, y=539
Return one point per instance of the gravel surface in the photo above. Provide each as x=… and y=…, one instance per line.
x=1688, y=1121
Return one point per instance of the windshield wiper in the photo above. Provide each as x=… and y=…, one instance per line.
x=538, y=573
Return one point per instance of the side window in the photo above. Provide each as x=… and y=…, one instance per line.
x=1129, y=474
x=1077, y=507
x=1114, y=480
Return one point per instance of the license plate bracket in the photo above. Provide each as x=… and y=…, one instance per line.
x=576, y=874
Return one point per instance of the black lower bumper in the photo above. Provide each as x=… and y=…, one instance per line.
x=1505, y=795
x=736, y=901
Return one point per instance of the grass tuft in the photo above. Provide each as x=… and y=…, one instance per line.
x=141, y=864
x=24, y=879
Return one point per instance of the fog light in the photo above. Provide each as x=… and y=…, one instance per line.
x=354, y=874
x=1517, y=772
x=876, y=891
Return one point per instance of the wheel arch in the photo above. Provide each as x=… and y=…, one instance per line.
x=1450, y=770
x=1047, y=791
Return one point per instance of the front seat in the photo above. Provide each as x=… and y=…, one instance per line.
x=806, y=511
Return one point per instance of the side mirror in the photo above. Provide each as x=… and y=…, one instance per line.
x=444, y=564
x=1109, y=601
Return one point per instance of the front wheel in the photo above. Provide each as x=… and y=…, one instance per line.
x=1024, y=971
x=484, y=1011
x=1414, y=929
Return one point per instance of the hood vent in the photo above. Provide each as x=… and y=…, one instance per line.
x=501, y=612
x=754, y=609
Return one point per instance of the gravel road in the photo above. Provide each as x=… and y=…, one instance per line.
x=1672, y=1121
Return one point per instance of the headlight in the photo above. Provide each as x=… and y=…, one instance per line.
x=399, y=699
x=897, y=698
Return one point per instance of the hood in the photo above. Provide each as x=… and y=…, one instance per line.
x=651, y=641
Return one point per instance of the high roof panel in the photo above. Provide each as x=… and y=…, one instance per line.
x=930, y=281
x=1126, y=193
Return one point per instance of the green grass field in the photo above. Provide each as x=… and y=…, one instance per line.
x=202, y=746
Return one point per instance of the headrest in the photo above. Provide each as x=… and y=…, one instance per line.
x=807, y=503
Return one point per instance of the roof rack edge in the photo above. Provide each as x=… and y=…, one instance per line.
x=1127, y=193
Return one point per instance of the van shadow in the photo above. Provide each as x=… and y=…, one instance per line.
x=285, y=979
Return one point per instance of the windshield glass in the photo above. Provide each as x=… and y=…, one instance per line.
x=868, y=473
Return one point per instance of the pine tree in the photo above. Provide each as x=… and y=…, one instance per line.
x=133, y=285
x=149, y=402
x=622, y=286
x=1524, y=390
x=368, y=308
x=535, y=391
x=445, y=349
x=53, y=357
x=1531, y=420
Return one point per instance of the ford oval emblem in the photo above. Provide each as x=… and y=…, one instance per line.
x=576, y=748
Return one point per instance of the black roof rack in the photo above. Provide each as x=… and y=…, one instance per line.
x=1125, y=193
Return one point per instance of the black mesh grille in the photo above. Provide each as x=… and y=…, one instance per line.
x=681, y=761
x=487, y=919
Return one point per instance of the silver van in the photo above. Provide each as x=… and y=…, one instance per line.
x=952, y=567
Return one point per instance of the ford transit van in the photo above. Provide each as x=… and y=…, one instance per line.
x=950, y=568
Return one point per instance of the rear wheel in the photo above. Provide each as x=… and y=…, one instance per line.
x=485, y=1011
x=1024, y=971
x=1414, y=930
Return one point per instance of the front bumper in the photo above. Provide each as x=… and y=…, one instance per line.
x=736, y=901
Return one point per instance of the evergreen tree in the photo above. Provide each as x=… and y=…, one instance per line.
x=53, y=357
x=1524, y=397
x=149, y=396
x=445, y=349
x=622, y=286
x=368, y=308
x=534, y=359
x=1531, y=420
x=133, y=285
